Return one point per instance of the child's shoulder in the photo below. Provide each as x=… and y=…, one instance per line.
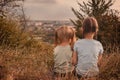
x=85, y=40
x=79, y=41
x=98, y=42
x=61, y=47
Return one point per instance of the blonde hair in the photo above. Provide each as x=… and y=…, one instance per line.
x=90, y=24
x=64, y=34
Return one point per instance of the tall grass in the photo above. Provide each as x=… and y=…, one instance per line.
x=37, y=63
x=27, y=63
x=110, y=67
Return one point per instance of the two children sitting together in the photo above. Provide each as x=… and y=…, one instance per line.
x=81, y=56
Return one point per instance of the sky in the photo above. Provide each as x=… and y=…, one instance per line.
x=54, y=9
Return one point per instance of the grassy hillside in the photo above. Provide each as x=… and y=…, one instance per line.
x=36, y=64
x=24, y=58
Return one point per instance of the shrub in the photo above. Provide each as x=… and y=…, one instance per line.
x=10, y=33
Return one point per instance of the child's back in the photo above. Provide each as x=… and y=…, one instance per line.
x=62, y=59
x=88, y=51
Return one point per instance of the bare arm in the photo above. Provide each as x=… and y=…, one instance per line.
x=74, y=58
x=99, y=59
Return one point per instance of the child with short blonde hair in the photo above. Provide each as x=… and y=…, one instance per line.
x=64, y=40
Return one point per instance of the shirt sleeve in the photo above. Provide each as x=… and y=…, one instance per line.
x=75, y=47
x=54, y=51
x=100, y=48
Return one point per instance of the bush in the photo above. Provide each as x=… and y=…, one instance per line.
x=10, y=33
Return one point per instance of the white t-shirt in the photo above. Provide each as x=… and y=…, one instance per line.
x=62, y=59
x=88, y=51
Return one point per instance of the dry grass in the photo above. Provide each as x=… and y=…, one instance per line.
x=36, y=64
x=27, y=64
x=110, y=67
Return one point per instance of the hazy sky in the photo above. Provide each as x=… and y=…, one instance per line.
x=53, y=9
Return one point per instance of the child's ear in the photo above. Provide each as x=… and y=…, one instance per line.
x=97, y=30
x=81, y=29
x=70, y=40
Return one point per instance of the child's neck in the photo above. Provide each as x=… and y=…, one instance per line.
x=89, y=36
x=64, y=43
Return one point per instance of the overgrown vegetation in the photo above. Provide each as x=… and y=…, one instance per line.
x=110, y=69
x=24, y=64
x=10, y=33
x=27, y=63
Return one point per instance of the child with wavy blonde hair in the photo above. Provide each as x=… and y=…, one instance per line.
x=64, y=40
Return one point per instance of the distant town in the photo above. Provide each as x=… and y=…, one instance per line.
x=44, y=29
x=45, y=24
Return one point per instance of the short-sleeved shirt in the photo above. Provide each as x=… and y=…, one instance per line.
x=62, y=59
x=88, y=51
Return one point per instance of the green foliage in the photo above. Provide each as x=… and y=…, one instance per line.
x=108, y=19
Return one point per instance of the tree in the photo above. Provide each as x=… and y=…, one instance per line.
x=15, y=9
x=12, y=22
x=108, y=19
x=7, y=7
